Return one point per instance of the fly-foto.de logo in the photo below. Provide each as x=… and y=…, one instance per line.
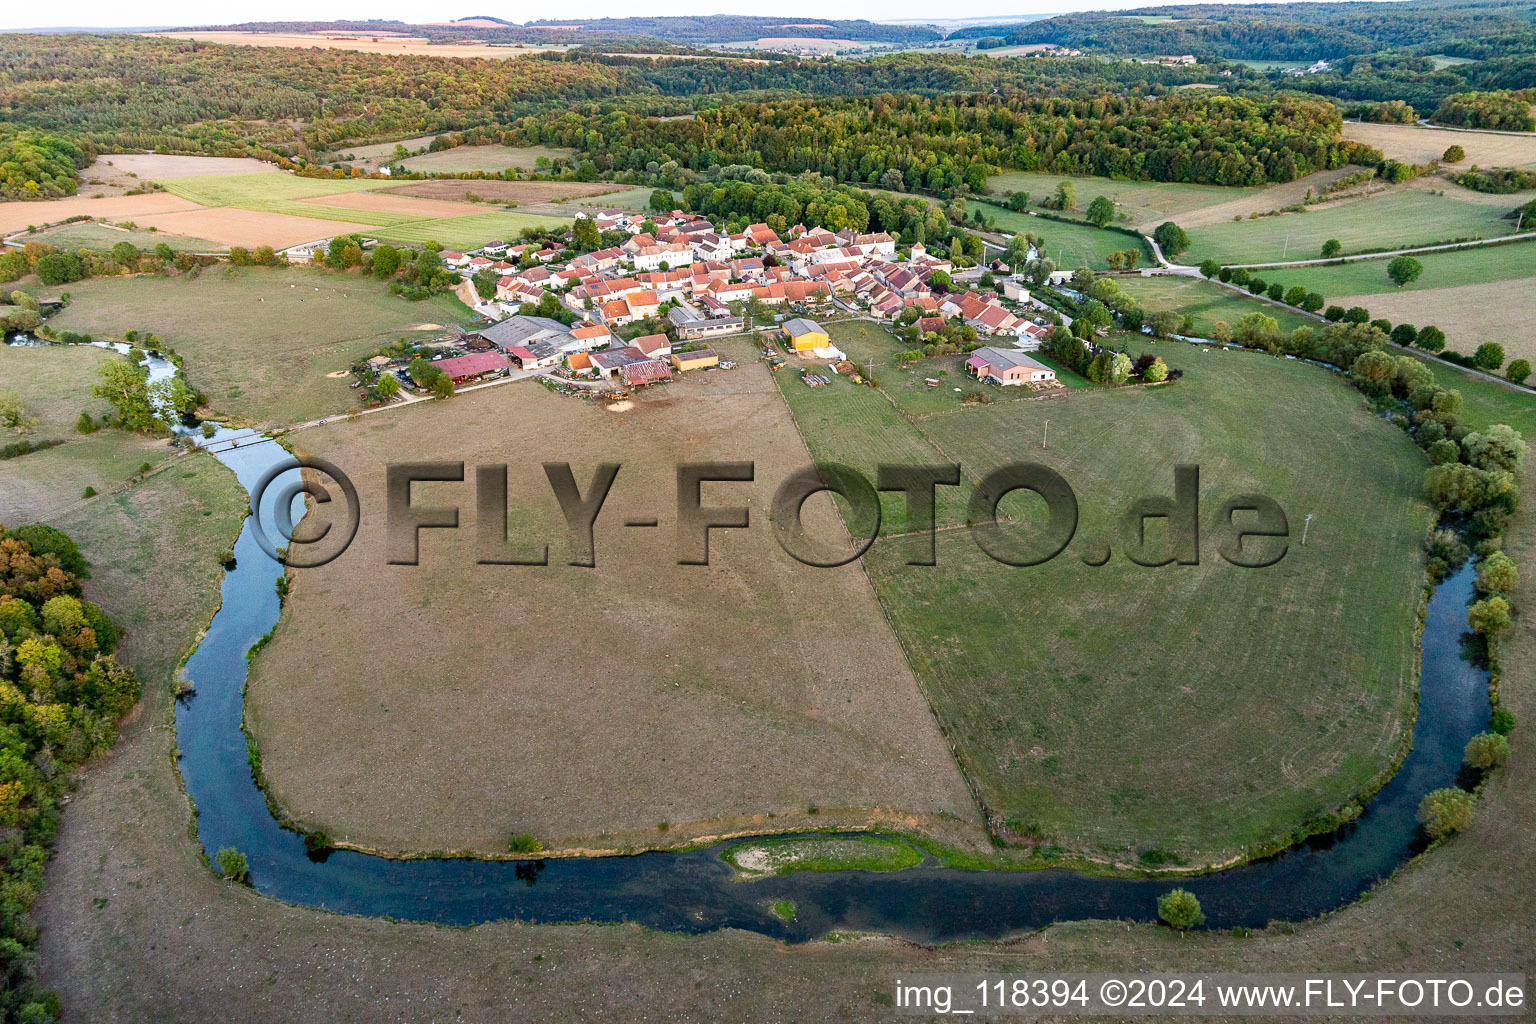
x=1247, y=530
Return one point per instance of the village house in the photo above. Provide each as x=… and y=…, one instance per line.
x=1007, y=367
x=656, y=346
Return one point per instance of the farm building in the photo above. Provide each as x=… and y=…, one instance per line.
x=1007, y=366
x=805, y=334
x=609, y=361
x=645, y=371
x=462, y=368
x=699, y=359
x=690, y=327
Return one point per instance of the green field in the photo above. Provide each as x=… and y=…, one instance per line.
x=92, y=235
x=1441, y=270
x=1271, y=65
x=54, y=384
x=1394, y=219
x=1208, y=302
x=1141, y=201
x=637, y=199
x=469, y=231
x=260, y=341
x=482, y=158
x=1056, y=683
x=1070, y=245
x=256, y=191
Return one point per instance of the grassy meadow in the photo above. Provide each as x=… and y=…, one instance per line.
x=1141, y=201
x=1441, y=270
x=260, y=341
x=54, y=384
x=1399, y=218
x=92, y=235
x=1207, y=301
x=1070, y=245
x=1242, y=729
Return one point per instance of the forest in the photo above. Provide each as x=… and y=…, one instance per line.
x=1272, y=31
x=130, y=92
x=939, y=143
x=719, y=28
x=40, y=165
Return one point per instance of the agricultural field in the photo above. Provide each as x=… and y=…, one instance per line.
x=1395, y=218
x=1441, y=270
x=1145, y=203
x=467, y=232
x=283, y=209
x=701, y=702
x=382, y=42
x=1207, y=301
x=1278, y=727
x=495, y=190
x=16, y=217
x=255, y=191
x=481, y=158
x=1070, y=245
x=1469, y=314
x=260, y=341
x=95, y=235
x=54, y=383
x=115, y=173
x=1417, y=144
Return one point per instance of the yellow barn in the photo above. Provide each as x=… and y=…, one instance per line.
x=804, y=334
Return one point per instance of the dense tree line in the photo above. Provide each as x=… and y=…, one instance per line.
x=61, y=694
x=40, y=165
x=133, y=93
x=718, y=28
x=1279, y=31
x=940, y=143
x=1503, y=110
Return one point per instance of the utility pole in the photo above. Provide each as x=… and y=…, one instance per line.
x=1304, y=527
x=1046, y=435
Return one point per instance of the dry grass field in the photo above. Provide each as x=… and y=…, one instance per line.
x=55, y=385
x=259, y=341
x=382, y=42
x=710, y=699
x=115, y=173
x=1469, y=314
x=1417, y=144
x=505, y=191
x=19, y=216
x=229, y=225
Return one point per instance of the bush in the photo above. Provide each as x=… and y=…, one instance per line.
x=524, y=843
x=1489, y=356
x=1490, y=616
x=1313, y=302
x=1334, y=313
x=1486, y=750
x=1431, y=339
x=1209, y=268
x=1453, y=155
x=1518, y=370
x=1501, y=722
x=1180, y=909
x=1444, y=811
x=1276, y=291
x=1404, y=334
x=233, y=865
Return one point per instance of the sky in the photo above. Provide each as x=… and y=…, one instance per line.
x=180, y=13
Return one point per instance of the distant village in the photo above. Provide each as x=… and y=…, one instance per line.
x=636, y=313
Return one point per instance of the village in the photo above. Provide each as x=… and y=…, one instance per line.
x=635, y=314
